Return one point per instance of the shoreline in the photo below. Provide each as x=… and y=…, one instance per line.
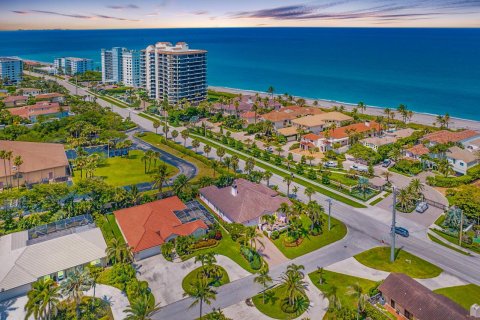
x=418, y=117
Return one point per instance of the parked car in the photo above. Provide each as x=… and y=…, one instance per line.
x=402, y=232
x=360, y=168
x=331, y=164
x=421, y=207
x=269, y=149
x=386, y=163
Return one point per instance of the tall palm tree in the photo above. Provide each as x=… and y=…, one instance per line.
x=3, y=156
x=180, y=184
x=141, y=309
x=227, y=161
x=174, y=134
x=295, y=286
x=73, y=287
x=201, y=292
x=160, y=177
x=118, y=252
x=416, y=187
x=264, y=279
x=288, y=180
x=234, y=164
x=43, y=299
x=309, y=192
x=361, y=105
x=195, y=144
x=184, y=135
x=8, y=157
x=207, y=149
x=386, y=174
x=156, y=125
x=215, y=166
x=17, y=162
x=271, y=90
x=249, y=165
x=220, y=153
x=267, y=175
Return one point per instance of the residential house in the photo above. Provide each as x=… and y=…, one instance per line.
x=31, y=92
x=461, y=159
x=386, y=139
x=42, y=162
x=52, y=97
x=472, y=145
x=416, y=152
x=147, y=227
x=245, y=104
x=445, y=136
x=243, y=202
x=41, y=108
x=250, y=117
x=283, y=117
x=340, y=138
x=408, y=298
x=15, y=101
x=318, y=122
x=48, y=251
x=290, y=133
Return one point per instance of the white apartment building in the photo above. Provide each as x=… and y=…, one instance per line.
x=131, y=68
x=175, y=72
x=11, y=69
x=72, y=65
x=120, y=65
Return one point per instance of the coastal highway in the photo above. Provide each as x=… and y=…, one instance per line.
x=367, y=228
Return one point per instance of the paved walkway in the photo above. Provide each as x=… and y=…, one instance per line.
x=117, y=300
x=270, y=252
x=354, y=268
x=165, y=278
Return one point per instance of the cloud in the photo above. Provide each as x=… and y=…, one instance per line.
x=200, y=12
x=119, y=7
x=404, y=10
x=77, y=16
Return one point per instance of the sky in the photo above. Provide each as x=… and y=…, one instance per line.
x=110, y=14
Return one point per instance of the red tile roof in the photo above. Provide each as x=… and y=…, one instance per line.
x=15, y=98
x=49, y=95
x=340, y=133
x=151, y=224
x=39, y=108
x=290, y=113
x=249, y=115
x=445, y=136
x=311, y=136
x=418, y=150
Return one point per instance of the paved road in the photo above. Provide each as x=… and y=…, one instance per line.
x=367, y=228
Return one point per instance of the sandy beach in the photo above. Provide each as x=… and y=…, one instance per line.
x=418, y=117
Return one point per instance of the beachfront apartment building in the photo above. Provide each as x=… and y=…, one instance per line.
x=174, y=72
x=11, y=70
x=72, y=65
x=121, y=65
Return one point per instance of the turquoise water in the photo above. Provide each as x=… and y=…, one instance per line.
x=429, y=70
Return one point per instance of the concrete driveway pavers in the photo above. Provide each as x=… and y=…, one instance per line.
x=165, y=278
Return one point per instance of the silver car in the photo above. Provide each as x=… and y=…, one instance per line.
x=421, y=207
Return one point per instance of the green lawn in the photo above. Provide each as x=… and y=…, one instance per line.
x=342, y=178
x=465, y=296
x=446, y=245
x=454, y=240
x=379, y=258
x=343, y=284
x=272, y=308
x=156, y=140
x=195, y=274
x=125, y=171
x=109, y=227
x=312, y=243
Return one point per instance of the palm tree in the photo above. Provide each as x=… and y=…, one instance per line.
x=288, y=180
x=216, y=314
x=386, y=174
x=249, y=165
x=160, y=177
x=74, y=286
x=264, y=279
x=445, y=167
x=295, y=286
x=220, y=153
x=184, y=135
x=234, y=163
x=201, y=292
x=195, y=144
x=207, y=149
x=174, y=134
x=215, y=166
x=118, y=252
x=8, y=157
x=206, y=258
x=227, y=162
x=402, y=109
x=94, y=273
x=179, y=184
x=156, y=125
x=416, y=187
x=446, y=119
x=309, y=192
x=403, y=198
x=271, y=90
x=266, y=176
x=17, y=162
x=43, y=299
x=141, y=308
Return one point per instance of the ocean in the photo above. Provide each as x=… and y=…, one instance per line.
x=430, y=70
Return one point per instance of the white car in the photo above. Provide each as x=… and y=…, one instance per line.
x=360, y=168
x=331, y=164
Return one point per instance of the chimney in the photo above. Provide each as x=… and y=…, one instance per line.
x=234, y=189
x=475, y=311
x=367, y=123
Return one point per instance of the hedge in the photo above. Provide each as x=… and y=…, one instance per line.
x=452, y=182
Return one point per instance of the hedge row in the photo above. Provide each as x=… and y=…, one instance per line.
x=452, y=182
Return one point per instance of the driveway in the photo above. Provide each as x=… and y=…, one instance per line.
x=165, y=278
x=270, y=252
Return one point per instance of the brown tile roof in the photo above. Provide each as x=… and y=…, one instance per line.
x=288, y=131
x=249, y=115
x=461, y=154
x=363, y=127
x=290, y=113
x=151, y=224
x=421, y=302
x=36, y=156
x=15, y=98
x=445, y=136
x=252, y=201
x=39, y=108
x=319, y=119
x=418, y=150
x=49, y=95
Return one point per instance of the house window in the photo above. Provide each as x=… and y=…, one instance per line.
x=408, y=315
x=392, y=303
x=462, y=164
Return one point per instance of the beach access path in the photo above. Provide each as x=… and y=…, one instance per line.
x=418, y=117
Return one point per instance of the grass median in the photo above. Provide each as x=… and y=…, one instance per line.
x=275, y=170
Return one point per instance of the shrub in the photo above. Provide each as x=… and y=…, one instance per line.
x=275, y=235
x=294, y=146
x=408, y=167
x=236, y=230
x=256, y=262
x=204, y=244
x=373, y=313
x=449, y=182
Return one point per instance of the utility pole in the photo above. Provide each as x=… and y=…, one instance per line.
x=392, y=231
x=76, y=85
x=329, y=212
x=461, y=227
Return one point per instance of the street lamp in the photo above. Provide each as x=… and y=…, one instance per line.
x=329, y=200
x=392, y=231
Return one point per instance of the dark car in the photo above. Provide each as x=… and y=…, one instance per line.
x=386, y=163
x=402, y=232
